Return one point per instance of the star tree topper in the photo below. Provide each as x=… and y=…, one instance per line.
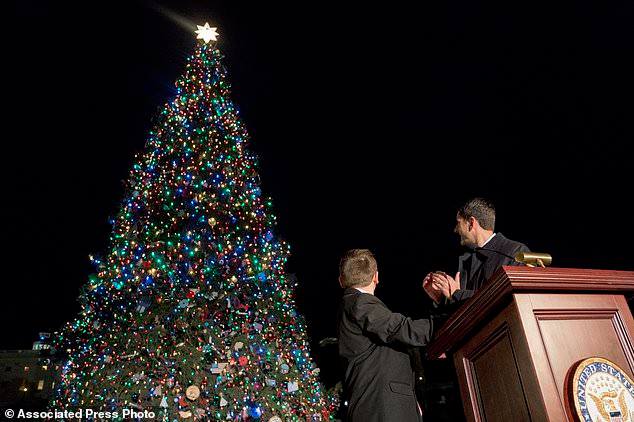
x=206, y=33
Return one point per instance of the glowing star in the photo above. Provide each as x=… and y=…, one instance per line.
x=206, y=33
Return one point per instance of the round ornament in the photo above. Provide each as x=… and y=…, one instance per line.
x=254, y=410
x=192, y=392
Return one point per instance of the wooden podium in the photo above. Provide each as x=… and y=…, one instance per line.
x=514, y=342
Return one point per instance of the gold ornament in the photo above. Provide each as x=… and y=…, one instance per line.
x=212, y=221
x=192, y=392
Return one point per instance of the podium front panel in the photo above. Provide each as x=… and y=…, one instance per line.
x=495, y=367
x=563, y=329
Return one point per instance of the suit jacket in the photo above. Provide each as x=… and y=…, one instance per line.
x=477, y=267
x=373, y=341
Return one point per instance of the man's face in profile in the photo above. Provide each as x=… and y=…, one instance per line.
x=467, y=237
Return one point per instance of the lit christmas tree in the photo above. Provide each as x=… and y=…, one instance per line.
x=191, y=314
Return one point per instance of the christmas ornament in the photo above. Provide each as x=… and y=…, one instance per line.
x=138, y=377
x=292, y=386
x=192, y=392
x=218, y=368
x=253, y=410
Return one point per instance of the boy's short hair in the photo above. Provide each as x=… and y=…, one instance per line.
x=357, y=268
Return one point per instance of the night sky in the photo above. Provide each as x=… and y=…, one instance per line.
x=372, y=124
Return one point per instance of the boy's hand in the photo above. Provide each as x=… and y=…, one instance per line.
x=431, y=291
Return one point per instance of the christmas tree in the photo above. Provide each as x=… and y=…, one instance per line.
x=191, y=314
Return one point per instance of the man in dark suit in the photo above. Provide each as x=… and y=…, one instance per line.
x=373, y=341
x=475, y=224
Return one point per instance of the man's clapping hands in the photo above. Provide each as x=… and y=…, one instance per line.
x=439, y=284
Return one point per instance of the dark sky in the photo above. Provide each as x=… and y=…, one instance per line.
x=372, y=123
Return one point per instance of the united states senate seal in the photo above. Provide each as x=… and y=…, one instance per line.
x=600, y=391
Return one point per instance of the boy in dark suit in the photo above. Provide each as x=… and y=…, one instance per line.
x=373, y=341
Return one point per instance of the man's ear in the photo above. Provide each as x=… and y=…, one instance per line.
x=375, y=278
x=472, y=223
x=340, y=282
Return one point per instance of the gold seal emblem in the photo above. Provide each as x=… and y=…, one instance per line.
x=599, y=390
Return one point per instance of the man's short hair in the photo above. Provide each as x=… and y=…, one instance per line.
x=480, y=209
x=357, y=268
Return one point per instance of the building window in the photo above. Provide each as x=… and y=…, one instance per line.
x=40, y=385
x=7, y=369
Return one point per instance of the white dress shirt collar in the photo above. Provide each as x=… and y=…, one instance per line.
x=488, y=240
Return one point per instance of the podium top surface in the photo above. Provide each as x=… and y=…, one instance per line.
x=510, y=280
x=529, y=278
